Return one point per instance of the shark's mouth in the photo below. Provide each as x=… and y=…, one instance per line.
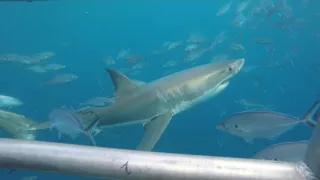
x=222, y=86
x=207, y=95
x=226, y=83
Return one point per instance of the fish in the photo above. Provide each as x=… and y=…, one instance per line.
x=8, y=101
x=108, y=61
x=43, y=55
x=253, y=104
x=251, y=125
x=67, y=122
x=239, y=20
x=15, y=58
x=18, y=126
x=98, y=101
x=170, y=63
x=54, y=67
x=133, y=59
x=242, y=6
x=155, y=103
x=191, y=47
x=61, y=79
x=195, y=54
x=174, y=45
x=224, y=9
x=287, y=151
x=123, y=53
x=196, y=38
x=237, y=47
x=220, y=38
x=37, y=69
x=263, y=41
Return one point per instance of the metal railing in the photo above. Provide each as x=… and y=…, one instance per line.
x=129, y=164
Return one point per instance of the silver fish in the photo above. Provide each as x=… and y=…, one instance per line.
x=98, y=102
x=191, y=47
x=242, y=6
x=66, y=122
x=37, y=69
x=15, y=58
x=61, y=79
x=196, y=38
x=54, y=67
x=17, y=126
x=288, y=151
x=253, y=104
x=251, y=125
x=123, y=53
x=43, y=55
x=195, y=54
x=224, y=9
x=8, y=101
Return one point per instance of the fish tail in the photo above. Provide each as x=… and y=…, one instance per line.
x=87, y=131
x=90, y=136
x=42, y=125
x=312, y=116
x=92, y=125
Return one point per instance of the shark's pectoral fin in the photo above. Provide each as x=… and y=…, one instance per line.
x=153, y=131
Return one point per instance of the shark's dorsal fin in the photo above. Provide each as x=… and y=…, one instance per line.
x=121, y=82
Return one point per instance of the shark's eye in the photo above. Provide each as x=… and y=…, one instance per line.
x=235, y=126
x=230, y=69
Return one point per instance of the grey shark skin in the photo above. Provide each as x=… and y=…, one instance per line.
x=156, y=102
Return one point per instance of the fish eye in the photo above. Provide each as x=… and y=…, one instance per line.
x=235, y=126
x=275, y=159
x=230, y=69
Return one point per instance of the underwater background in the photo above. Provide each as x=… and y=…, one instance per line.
x=83, y=34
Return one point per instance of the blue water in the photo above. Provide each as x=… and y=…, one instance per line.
x=97, y=29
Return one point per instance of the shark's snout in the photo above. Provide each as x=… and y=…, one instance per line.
x=241, y=62
x=238, y=64
x=221, y=126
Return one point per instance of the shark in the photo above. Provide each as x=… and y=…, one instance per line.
x=154, y=104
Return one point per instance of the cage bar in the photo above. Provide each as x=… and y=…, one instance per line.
x=121, y=164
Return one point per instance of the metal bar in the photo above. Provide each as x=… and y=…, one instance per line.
x=312, y=158
x=129, y=164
